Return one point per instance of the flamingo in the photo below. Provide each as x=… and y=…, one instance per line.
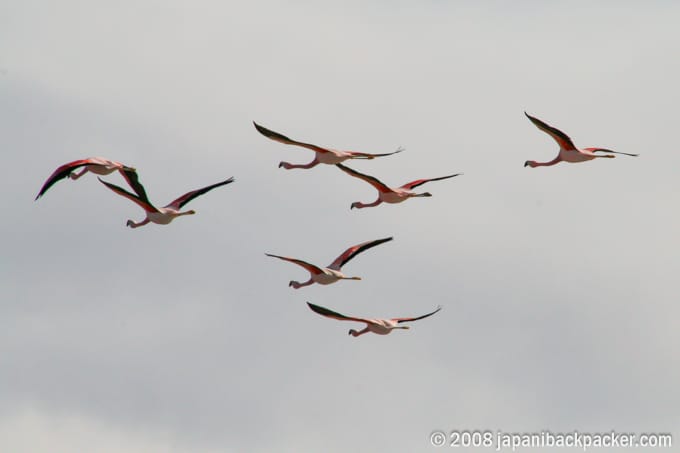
x=379, y=326
x=568, y=152
x=323, y=155
x=332, y=273
x=96, y=165
x=387, y=194
x=166, y=214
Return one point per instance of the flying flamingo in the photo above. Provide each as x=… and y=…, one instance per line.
x=96, y=165
x=379, y=326
x=332, y=273
x=166, y=214
x=323, y=155
x=568, y=152
x=387, y=194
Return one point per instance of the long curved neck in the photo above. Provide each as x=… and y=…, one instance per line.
x=354, y=333
x=75, y=176
x=289, y=166
x=298, y=285
x=533, y=163
x=360, y=205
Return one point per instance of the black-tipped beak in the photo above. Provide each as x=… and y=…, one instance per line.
x=526, y=164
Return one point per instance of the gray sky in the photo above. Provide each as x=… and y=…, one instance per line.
x=559, y=285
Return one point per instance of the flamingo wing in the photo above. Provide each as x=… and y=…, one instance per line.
x=353, y=251
x=359, y=155
x=417, y=318
x=61, y=173
x=560, y=137
x=132, y=179
x=335, y=315
x=285, y=140
x=144, y=202
x=310, y=267
x=418, y=182
x=187, y=197
x=375, y=182
x=603, y=150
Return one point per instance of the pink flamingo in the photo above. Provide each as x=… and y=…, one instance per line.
x=568, y=152
x=323, y=155
x=332, y=273
x=166, y=214
x=96, y=165
x=379, y=326
x=387, y=194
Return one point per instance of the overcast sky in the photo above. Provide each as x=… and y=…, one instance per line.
x=558, y=285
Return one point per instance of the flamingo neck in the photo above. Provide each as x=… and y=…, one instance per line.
x=289, y=166
x=360, y=205
x=355, y=333
x=534, y=164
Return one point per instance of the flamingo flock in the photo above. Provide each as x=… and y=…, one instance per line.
x=100, y=166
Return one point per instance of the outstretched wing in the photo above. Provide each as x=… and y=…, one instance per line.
x=418, y=182
x=560, y=137
x=354, y=251
x=143, y=202
x=603, y=150
x=310, y=267
x=335, y=315
x=285, y=140
x=375, y=182
x=359, y=155
x=61, y=173
x=417, y=318
x=132, y=179
x=187, y=197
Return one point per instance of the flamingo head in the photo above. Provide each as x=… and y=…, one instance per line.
x=130, y=223
x=424, y=194
x=285, y=165
x=530, y=163
x=356, y=204
x=353, y=332
x=294, y=284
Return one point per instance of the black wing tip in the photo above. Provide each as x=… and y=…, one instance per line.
x=317, y=309
x=346, y=168
x=532, y=118
x=264, y=131
x=106, y=183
